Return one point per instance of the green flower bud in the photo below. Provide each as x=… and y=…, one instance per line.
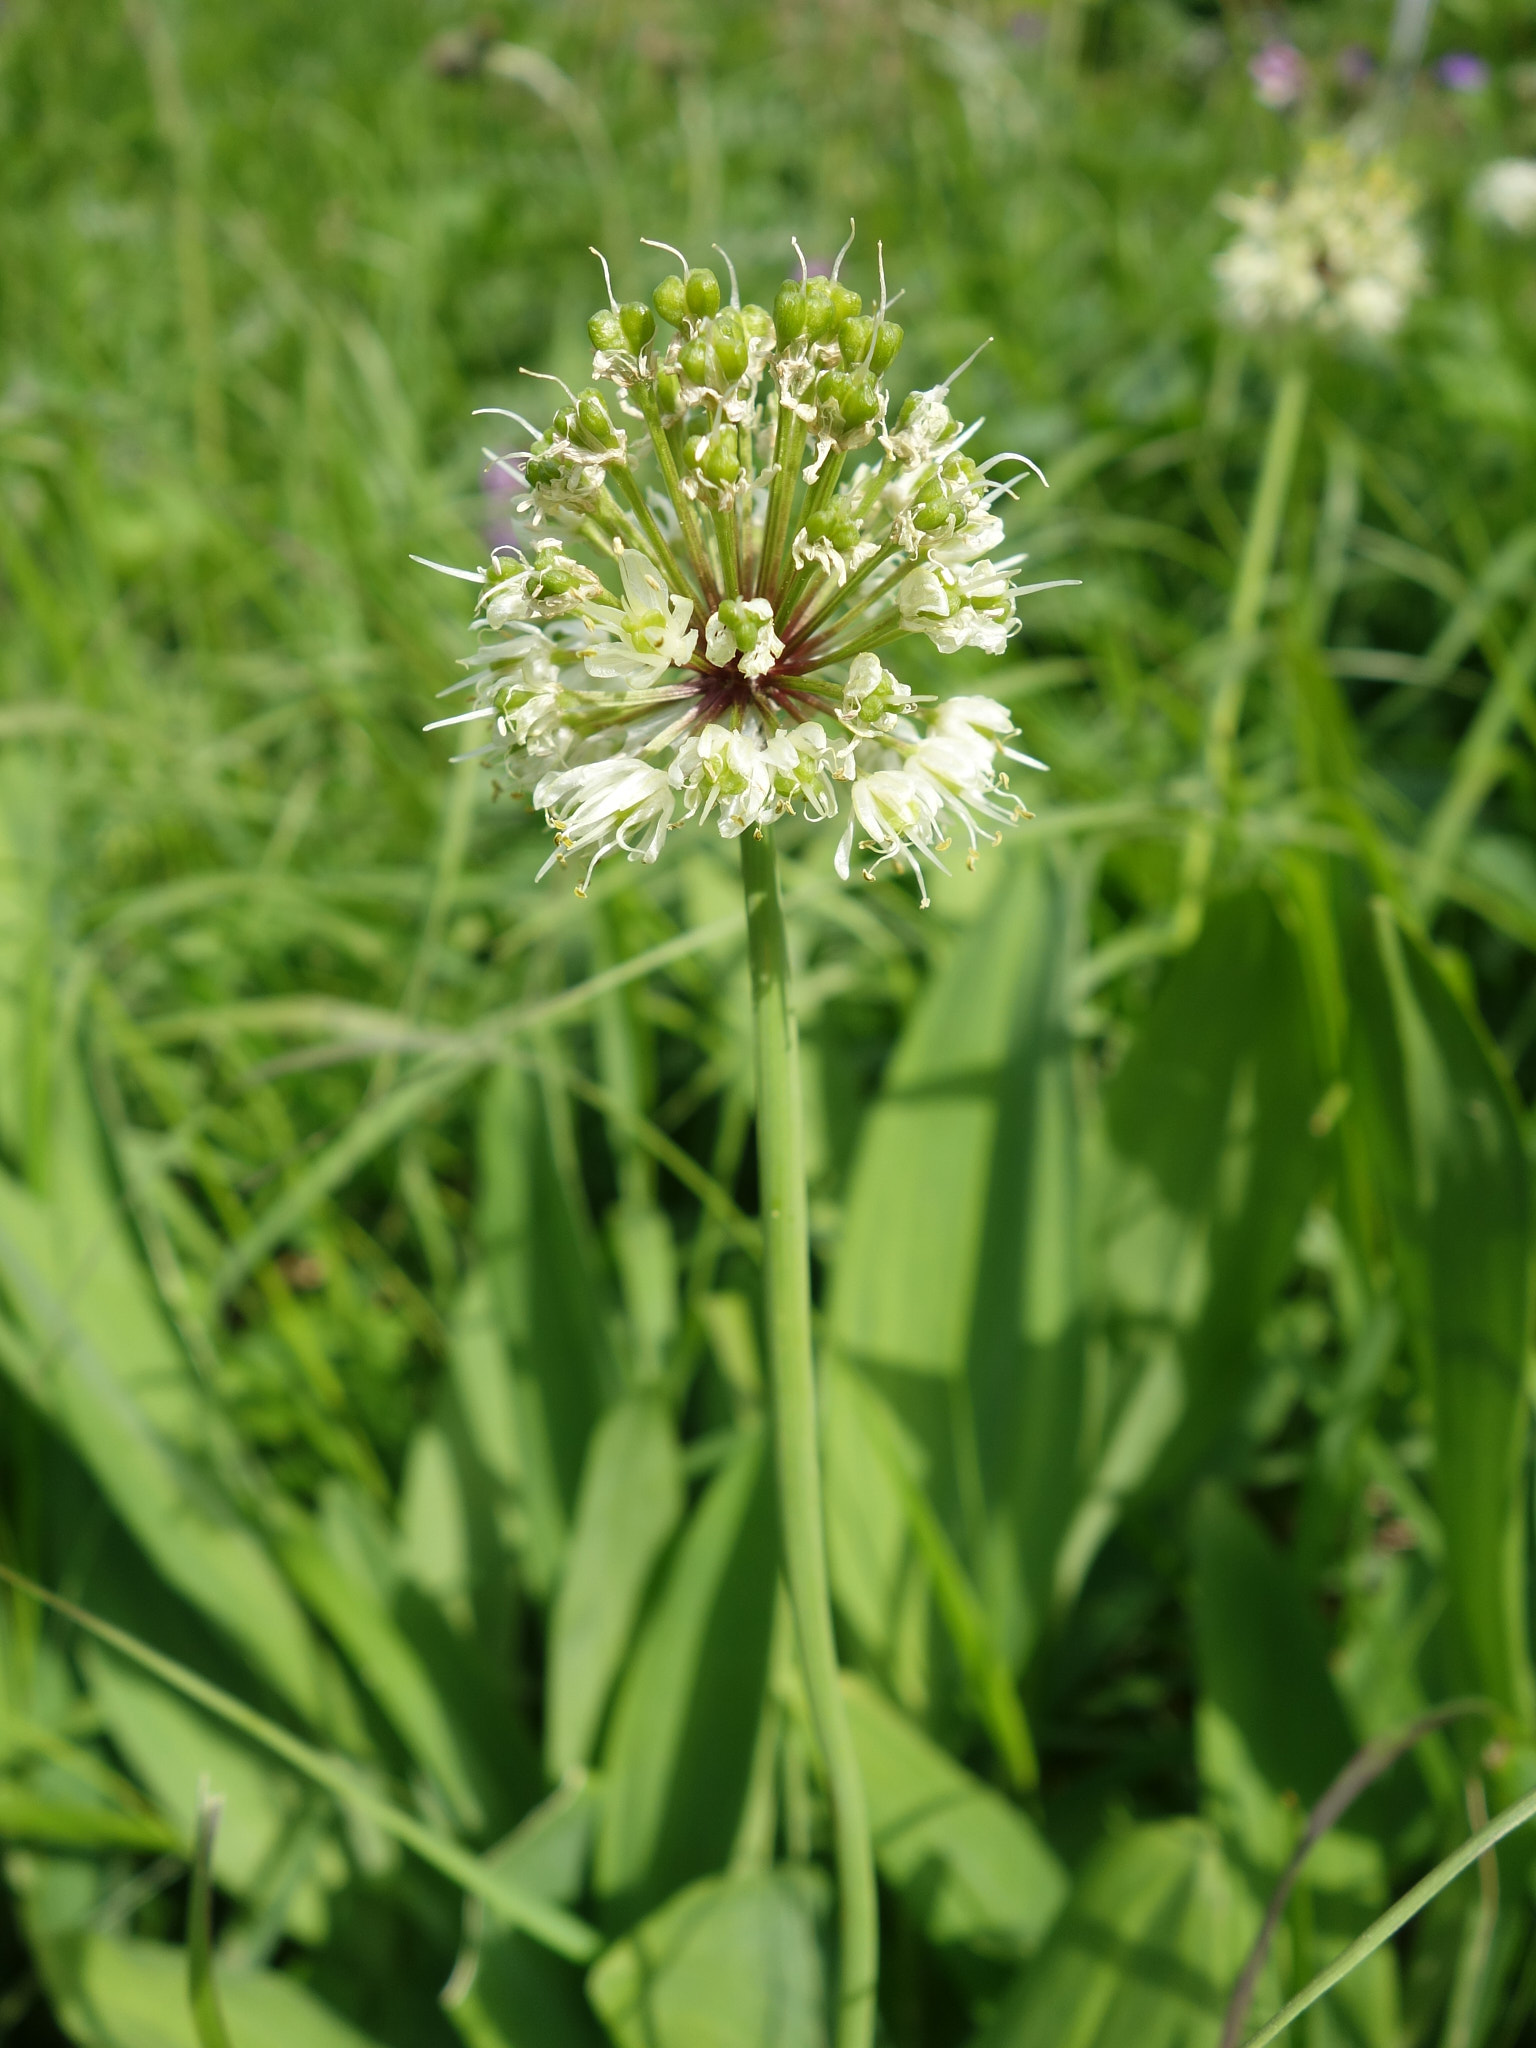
x=788, y=313
x=702, y=293
x=757, y=322
x=669, y=395
x=739, y=623
x=593, y=420
x=887, y=346
x=555, y=582
x=730, y=339
x=819, y=318
x=541, y=470
x=638, y=323
x=854, y=338
x=845, y=303
x=720, y=461
x=859, y=398
x=670, y=299
x=836, y=525
x=604, y=331
x=694, y=358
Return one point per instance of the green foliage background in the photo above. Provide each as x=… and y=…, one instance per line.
x=377, y=1254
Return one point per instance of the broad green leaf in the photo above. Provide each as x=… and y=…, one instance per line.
x=544, y=1289
x=732, y=1962
x=1146, y=1952
x=1261, y=1652
x=1210, y=1163
x=972, y=1868
x=630, y=1500
x=114, y=1993
x=57, y=1823
x=957, y=1278
x=88, y=1349
x=171, y=1744
x=1446, y=1146
x=678, y=1752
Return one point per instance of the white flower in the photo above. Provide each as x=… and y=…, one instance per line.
x=959, y=605
x=653, y=630
x=838, y=563
x=728, y=766
x=803, y=760
x=1336, y=252
x=742, y=631
x=983, y=722
x=1504, y=192
x=873, y=698
x=552, y=586
x=530, y=702
x=925, y=428
x=617, y=805
x=898, y=814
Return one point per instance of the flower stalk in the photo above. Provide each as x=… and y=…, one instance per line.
x=787, y=1304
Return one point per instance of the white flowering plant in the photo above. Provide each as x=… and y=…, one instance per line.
x=767, y=523
x=1336, y=251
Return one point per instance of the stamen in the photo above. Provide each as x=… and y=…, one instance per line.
x=462, y=718
x=837, y=266
x=548, y=377
x=1013, y=455
x=804, y=270
x=943, y=390
x=607, y=280
x=506, y=413
x=649, y=244
x=730, y=266
x=442, y=568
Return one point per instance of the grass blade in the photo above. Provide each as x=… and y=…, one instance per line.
x=207, y=2015
x=551, y=1925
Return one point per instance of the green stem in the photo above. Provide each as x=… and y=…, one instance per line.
x=1255, y=567
x=816, y=499
x=725, y=539
x=788, y=448
x=687, y=518
x=803, y=632
x=787, y=1295
x=656, y=541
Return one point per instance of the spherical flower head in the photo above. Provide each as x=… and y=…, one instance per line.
x=1336, y=253
x=1504, y=193
x=1279, y=74
x=693, y=643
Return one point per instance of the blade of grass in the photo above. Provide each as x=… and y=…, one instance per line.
x=202, y=1992
x=551, y=1925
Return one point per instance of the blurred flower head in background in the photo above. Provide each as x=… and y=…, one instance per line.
x=1279, y=74
x=1460, y=71
x=1336, y=251
x=1504, y=192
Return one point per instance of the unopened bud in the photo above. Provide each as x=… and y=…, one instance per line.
x=788, y=313
x=858, y=400
x=702, y=294
x=592, y=418
x=638, y=323
x=835, y=525
x=694, y=358
x=720, y=462
x=887, y=346
x=820, y=319
x=854, y=338
x=670, y=299
x=669, y=394
x=845, y=303
x=604, y=330
x=742, y=625
x=730, y=339
x=757, y=323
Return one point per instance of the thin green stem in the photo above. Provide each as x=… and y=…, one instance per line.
x=1246, y=611
x=789, y=446
x=727, y=542
x=656, y=541
x=682, y=504
x=803, y=631
x=815, y=500
x=787, y=1296
x=1396, y=1917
